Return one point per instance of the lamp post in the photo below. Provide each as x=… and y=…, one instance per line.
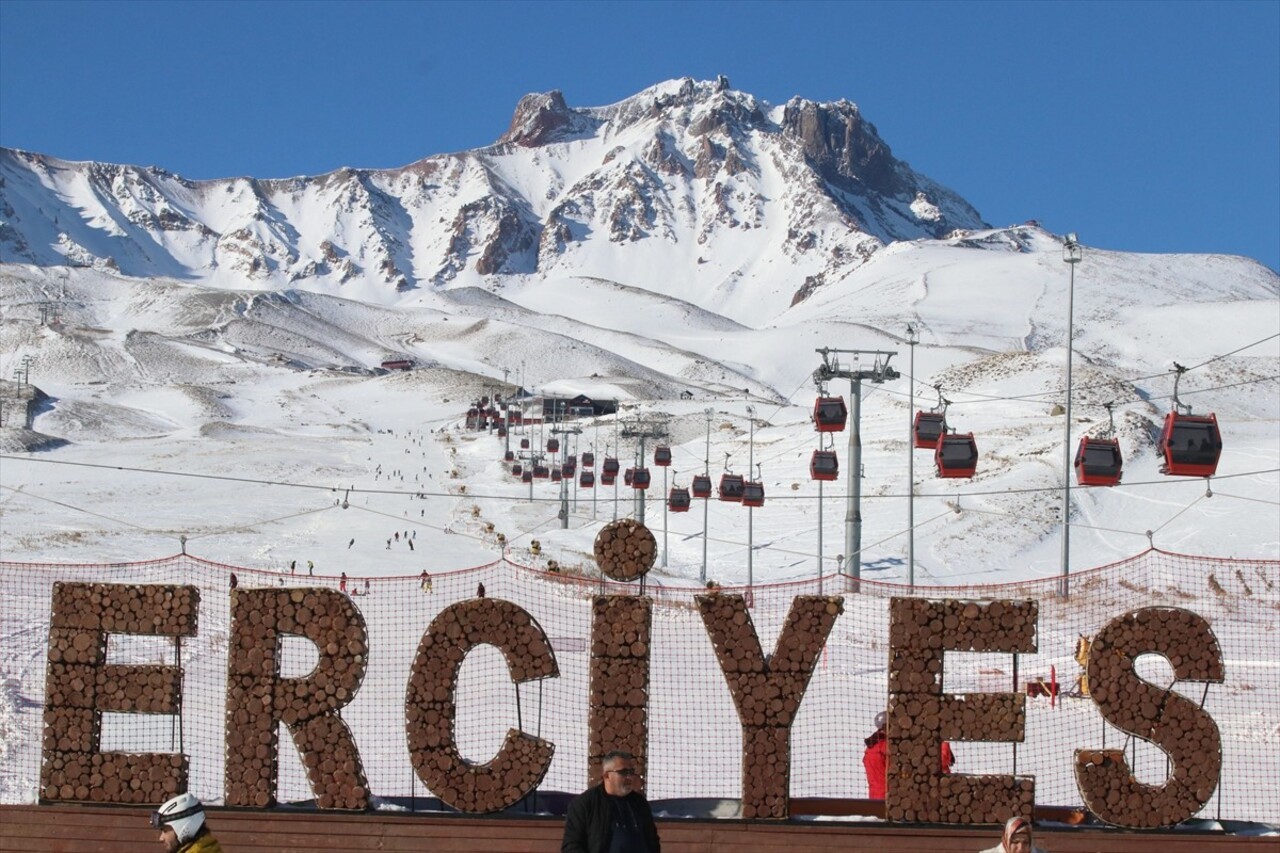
x=666, y=504
x=1071, y=255
x=617, y=449
x=913, y=338
x=706, y=469
x=751, y=459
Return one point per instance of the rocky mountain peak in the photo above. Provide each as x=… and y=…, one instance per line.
x=538, y=118
x=686, y=166
x=842, y=146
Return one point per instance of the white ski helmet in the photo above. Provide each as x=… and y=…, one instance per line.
x=184, y=813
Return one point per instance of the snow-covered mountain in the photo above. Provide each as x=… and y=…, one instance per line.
x=685, y=250
x=689, y=176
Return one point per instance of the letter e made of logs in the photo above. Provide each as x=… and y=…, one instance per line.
x=920, y=716
x=80, y=685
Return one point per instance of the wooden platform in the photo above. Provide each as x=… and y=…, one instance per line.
x=102, y=829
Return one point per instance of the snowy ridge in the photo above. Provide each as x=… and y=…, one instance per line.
x=704, y=177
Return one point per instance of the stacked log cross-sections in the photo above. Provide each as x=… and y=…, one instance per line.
x=920, y=715
x=619, y=680
x=258, y=698
x=767, y=692
x=431, y=705
x=80, y=686
x=1180, y=726
x=625, y=549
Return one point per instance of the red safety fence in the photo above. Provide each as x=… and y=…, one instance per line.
x=694, y=736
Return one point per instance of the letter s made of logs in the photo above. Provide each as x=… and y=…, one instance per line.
x=1180, y=727
x=430, y=705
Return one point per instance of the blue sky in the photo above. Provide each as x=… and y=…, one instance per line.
x=1145, y=127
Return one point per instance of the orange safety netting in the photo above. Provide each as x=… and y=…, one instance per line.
x=695, y=737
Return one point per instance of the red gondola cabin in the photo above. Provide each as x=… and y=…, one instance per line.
x=588, y=459
x=752, y=493
x=824, y=465
x=701, y=486
x=929, y=427
x=731, y=488
x=553, y=445
x=1098, y=462
x=1190, y=444
x=678, y=500
x=830, y=414
x=587, y=480
x=956, y=455
x=640, y=478
x=662, y=456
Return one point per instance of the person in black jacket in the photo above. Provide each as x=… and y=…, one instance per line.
x=612, y=817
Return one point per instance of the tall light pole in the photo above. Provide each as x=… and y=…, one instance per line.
x=617, y=448
x=666, y=503
x=706, y=502
x=913, y=338
x=751, y=464
x=1071, y=255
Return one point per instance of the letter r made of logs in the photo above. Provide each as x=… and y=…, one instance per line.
x=920, y=716
x=767, y=693
x=259, y=699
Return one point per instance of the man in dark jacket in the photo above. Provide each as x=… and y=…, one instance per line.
x=612, y=817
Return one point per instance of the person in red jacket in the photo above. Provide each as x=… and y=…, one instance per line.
x=875, y=760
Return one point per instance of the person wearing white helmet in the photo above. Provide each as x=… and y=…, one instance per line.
x=182, y=827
